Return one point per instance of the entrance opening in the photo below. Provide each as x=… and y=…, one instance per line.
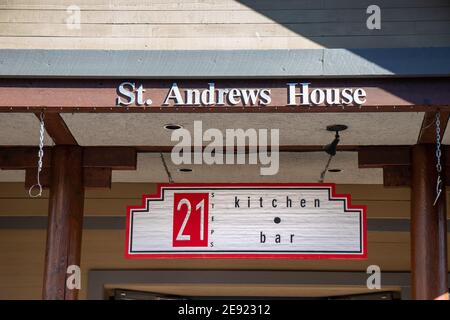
x=187, y=293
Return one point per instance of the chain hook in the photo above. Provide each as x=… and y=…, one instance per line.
x=40, y=157
x=438, y=190
x=30, y=191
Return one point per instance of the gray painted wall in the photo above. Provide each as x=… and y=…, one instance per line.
x=402, y=62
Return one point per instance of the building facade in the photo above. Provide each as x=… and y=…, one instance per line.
x=67, y=62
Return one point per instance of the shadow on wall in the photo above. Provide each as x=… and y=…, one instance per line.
x=344, y=24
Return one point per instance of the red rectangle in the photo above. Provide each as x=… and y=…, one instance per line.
x=190, y=220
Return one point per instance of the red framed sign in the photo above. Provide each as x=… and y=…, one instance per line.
x=240, y=220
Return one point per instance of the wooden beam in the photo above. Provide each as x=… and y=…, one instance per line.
x=284, y=148
x=445, y=155
x=125, y=158
x=57, y=129
x=99, y=95
x=116, y=158
x=219, y=109
x=427, y=132
x=428, y=227
x=400, y=176
x=397, y=176
x=92, y=177
x=65, y=222
x=97, y=177
x=382, y=156
x=16, y=158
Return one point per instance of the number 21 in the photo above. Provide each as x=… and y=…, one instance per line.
x=201, y=206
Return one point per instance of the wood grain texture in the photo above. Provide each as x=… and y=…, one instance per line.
x=228, y=43
x=57, y=129
x=122, y=158
x=223, y=30
x=23, y=157
x=117, y=207
x=23, y=250
x=377, y=157
x=221, y=25
x=202, y=5
x=428, y=227
x=397, y=176
x=65, y=221
x=215, y=15
x=117, y=158
x=14, y=200
x=92, y=177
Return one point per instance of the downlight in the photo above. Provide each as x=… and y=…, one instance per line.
x=172, y=126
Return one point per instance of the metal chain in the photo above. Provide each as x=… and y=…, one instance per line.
x=438, y=143
x=438, y=158
x=40, y=157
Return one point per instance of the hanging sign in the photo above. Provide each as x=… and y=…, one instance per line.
x=308, y=221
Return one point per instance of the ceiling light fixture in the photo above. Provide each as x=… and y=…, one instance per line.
x=171, y=126
x=331, y=148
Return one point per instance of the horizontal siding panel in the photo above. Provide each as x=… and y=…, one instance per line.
x=222, y=25
x=121, y=190
x=117, y=207
x=245, y=43
x=216, y=4
x=228, y=16
x=374, y=192
x=23, y=252
x=358, y=192
x=154, y=44
x=223, y=30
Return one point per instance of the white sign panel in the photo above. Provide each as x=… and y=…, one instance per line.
x=308, y=221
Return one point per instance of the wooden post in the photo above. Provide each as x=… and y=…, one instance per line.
x=65, y=220
x=428, y=226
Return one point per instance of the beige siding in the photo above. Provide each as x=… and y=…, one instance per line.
x=227, y=24
x=22, y=251
x=14, y=200
x=22, y=259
